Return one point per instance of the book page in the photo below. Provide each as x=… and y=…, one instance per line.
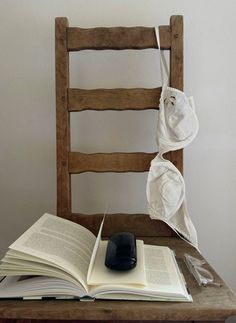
x=36, y=287
x=26, y=267
x=95, y=248
x=163, y=279
x=101, y=275
x=162, y=272
x=63, y=243
x=156, y=267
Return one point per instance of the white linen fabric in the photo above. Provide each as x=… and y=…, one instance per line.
x=177, y=126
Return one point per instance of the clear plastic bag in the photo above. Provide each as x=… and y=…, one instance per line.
x=203, y=276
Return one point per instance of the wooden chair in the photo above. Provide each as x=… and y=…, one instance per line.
x=210, y=303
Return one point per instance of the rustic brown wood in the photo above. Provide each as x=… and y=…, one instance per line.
x=176, y=56
x=62, y=117
x=116, y=38
x=95, y=321
x=209, y=303
x=109, y=162
x=176, y=70
x=139, y=224
x=113, y=99
x=122, y=321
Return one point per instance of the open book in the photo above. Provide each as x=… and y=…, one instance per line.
x=59, y=258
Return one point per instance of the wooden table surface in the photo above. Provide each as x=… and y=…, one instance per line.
x=209, y=303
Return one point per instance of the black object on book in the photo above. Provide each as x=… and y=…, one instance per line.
x=121, y=251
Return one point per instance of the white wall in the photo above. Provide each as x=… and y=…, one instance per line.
x=27, y=114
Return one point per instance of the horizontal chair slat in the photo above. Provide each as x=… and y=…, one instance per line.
x=113, y=99
x=109, y=162
x=140, y=224
x=116, y=38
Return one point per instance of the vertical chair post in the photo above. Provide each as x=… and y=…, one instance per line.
x=62, y=118
x=176, y=72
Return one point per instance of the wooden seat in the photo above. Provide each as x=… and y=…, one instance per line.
x=209, y=303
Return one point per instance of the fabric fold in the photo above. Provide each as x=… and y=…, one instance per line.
x=177, y=126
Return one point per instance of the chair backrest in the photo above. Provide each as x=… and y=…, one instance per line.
x=69, y=100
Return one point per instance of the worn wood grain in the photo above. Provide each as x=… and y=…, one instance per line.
x=62, y=118
x=116, y=38
x=176, y=54
x=109, y=162
x=176, y=70
x=209, y=303
x=113, y=162
x=89, y=321
x=113, y=99
x=176, y=73
x=139, y=224
x=86, y=321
